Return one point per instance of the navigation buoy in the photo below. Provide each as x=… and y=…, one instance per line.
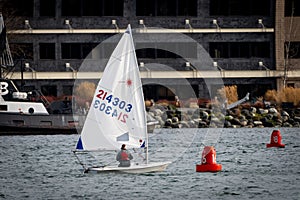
x=276, y=140
x=208, y=162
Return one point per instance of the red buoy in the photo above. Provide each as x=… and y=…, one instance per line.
x=208, y=163
x=276, y=140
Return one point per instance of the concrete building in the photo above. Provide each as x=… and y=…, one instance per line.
x=244, y=40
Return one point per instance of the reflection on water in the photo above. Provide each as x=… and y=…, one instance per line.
x=43, y=167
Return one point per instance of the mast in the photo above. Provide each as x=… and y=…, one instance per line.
x=144, y=111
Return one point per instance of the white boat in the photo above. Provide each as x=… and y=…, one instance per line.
x=117, y=114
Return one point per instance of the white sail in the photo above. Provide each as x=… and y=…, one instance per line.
x=117, y=113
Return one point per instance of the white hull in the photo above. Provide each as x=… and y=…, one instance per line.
x=134, y=169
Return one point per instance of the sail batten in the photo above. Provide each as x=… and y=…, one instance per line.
x=117, y=113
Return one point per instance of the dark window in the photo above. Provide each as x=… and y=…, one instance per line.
x=219, y=49
x=71, y=8
x=70, y=51
x=47, y=50
x=47, y=8
x=76, y=50
x=145, y=8
x=67, y=89
x=187, y=8
x=173, y=50
x=3, y=107
x=293, y=49
x=86, y=48
x=166, y=8
x=155, y=53
x=113, y=7
x=292, y=8
x=92, y=7
x=146, y=53
x=20, y=8
x=49, y=90
x=165, y=93
x=238, y=7
x=160, y=53
x=21, y=50
x=239, y=49
x=260, y=49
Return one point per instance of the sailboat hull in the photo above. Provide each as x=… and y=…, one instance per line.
x=134, y=169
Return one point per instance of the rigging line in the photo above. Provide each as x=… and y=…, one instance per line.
x=94, y=157
x=81, y=163
x=139, y=154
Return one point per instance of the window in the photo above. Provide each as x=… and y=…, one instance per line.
x=166, y=8
x=92, y=7
x=293, y=49
x=49, y=90
x=3, y=107
x=76, y=50
x=71, y=8
x=165, y=93
x=155, y=53
x=239, y=49
x=113, y=7
x=70, y=50
x=219, y=49
x=292, y=8
x=176, y=50
x=47, y=8
x=238, y=7
x=20, y=8
x=67, y=89
x=86, y=48
x=47, y=50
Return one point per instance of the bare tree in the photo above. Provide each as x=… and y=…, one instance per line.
x=12, y=22
x=290, y=50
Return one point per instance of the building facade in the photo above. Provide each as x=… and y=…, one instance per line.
x=245, y=42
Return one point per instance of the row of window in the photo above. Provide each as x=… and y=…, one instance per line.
x=51, y=90
x=239, y=49
x=238, y=7
x=151, y=8
x=185, y=50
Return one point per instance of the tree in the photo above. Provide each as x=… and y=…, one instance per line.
x=290, y=49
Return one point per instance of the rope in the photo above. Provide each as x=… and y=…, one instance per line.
x=86, y=169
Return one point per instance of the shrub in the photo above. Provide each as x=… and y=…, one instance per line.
x=288, y=94
x=229, y=93
x=84, y=92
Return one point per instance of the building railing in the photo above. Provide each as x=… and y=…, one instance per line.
x=142, y=30
x=159, y=74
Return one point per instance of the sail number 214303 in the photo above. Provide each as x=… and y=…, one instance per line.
x=112, y=105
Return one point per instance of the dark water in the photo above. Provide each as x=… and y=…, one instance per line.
x=43, y=167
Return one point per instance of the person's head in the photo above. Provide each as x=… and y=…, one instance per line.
x=123, y=147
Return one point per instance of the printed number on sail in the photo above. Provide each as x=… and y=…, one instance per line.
x=110, y=111
x=115, y=101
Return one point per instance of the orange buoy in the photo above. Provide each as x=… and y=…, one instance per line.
x=276, y=140
x=208, y=162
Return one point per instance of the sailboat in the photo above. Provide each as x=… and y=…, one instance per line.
x=117, y=114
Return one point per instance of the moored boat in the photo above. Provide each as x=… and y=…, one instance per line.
x=20, y=115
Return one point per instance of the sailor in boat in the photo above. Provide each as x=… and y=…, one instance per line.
x=124, y=157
